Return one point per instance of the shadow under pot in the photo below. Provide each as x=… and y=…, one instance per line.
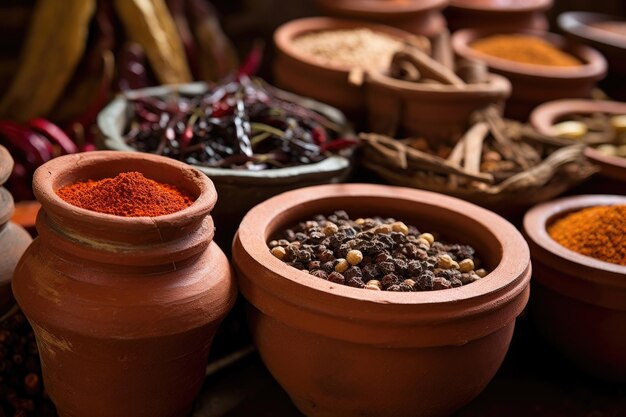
x=124, y=309
x=579, y=302
x=439, y=112
x=535, y=84
x=355, y=352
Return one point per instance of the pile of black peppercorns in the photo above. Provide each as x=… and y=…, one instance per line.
x=21, y=390
x=376, y=254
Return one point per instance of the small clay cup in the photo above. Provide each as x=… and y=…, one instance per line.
x=13, y=238
x=578, y=303
x=439, y=112
x=578, y=27
x=343, y=351
x=305, y=75
x=612, y=175
x=420, y=17
x=495, y=14
x=124, y=309
x=536, y=84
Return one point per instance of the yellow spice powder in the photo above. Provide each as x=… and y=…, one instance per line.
x=526, y=49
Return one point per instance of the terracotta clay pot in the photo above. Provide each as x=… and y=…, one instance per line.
x=239, y=190
x=13, y=239
x=612, y=176
x=420, y=17
x=124, y=309
x=343, y=351
x=497, y=14
x=578, y=26
x=536, y=84
x=579, y=303
x=305, y=75
x=434, y=111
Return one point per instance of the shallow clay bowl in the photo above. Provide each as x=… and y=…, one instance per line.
x=436, y=111
x=579, y=303
x=536, y=84
x=343, y=351
x=420, y=17
x=612, y=168
x=306, y=75
x=492, y=14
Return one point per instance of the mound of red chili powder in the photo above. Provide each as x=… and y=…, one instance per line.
x=129, y=194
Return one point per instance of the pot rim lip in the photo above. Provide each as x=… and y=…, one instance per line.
x=112, y=140
x=375, y=6
x=497, y=85
x=539, y=5
x=286, y=32
x=536, y=219
x=574, y=22
x=543, y=116
x=46, y=174
x=514, y=264
x=595, y=65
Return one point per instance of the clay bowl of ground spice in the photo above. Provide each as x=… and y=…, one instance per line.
x=604, y=148
x=541, y=66
x=315, y=57
x=415, y=16
x=492, y=14
x=361, y=351
x=579, y=301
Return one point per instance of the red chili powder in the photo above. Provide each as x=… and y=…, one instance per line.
x=129, y=194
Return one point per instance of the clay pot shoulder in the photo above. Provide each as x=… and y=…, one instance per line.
x=336, y=333
x=491, y=14
x=536, y=84
x=579, y=302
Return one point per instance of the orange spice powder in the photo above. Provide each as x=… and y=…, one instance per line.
x=129, y=194
x=599, y=232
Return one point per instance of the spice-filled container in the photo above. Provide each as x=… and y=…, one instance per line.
x=253, y=140
x=541, y=66
x=413, y=290
x=579, y=279
x=124, y=287
x=502, y=14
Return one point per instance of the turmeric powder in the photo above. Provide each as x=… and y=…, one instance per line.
x=599, y=232
x=526, y=49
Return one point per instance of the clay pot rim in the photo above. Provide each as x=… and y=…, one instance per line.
x=112, y=140
x=388, y=7
x=255, y=225
x=285, y=33
x=542, y=118
x=497, y=85
x=577, y=23
x=6, y=165
x=50, y=201
x=593, y=270
x=537, y=6
x=594, y=66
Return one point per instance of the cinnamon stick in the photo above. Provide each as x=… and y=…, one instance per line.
x=428, y=67
x=442, y=49
x=474, y=139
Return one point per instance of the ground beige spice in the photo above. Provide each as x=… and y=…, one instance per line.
x=599, y=232
x=359, y=47
x=526, y=49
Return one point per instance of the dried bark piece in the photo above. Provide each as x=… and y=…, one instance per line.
x=55, y=43
x=442, y=49
x=474, y=139
x=428, y=67
x=149, y=23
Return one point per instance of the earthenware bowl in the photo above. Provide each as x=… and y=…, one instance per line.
x=536, y=84
x=305, y=75
x=612, y=175
x=577, y=26
x=436, y=111
x=239, y=190
x=578, y=302
x=497, y=14
x=124, y=309
x=13, y=238
x=343, y=351
x=420, y=17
